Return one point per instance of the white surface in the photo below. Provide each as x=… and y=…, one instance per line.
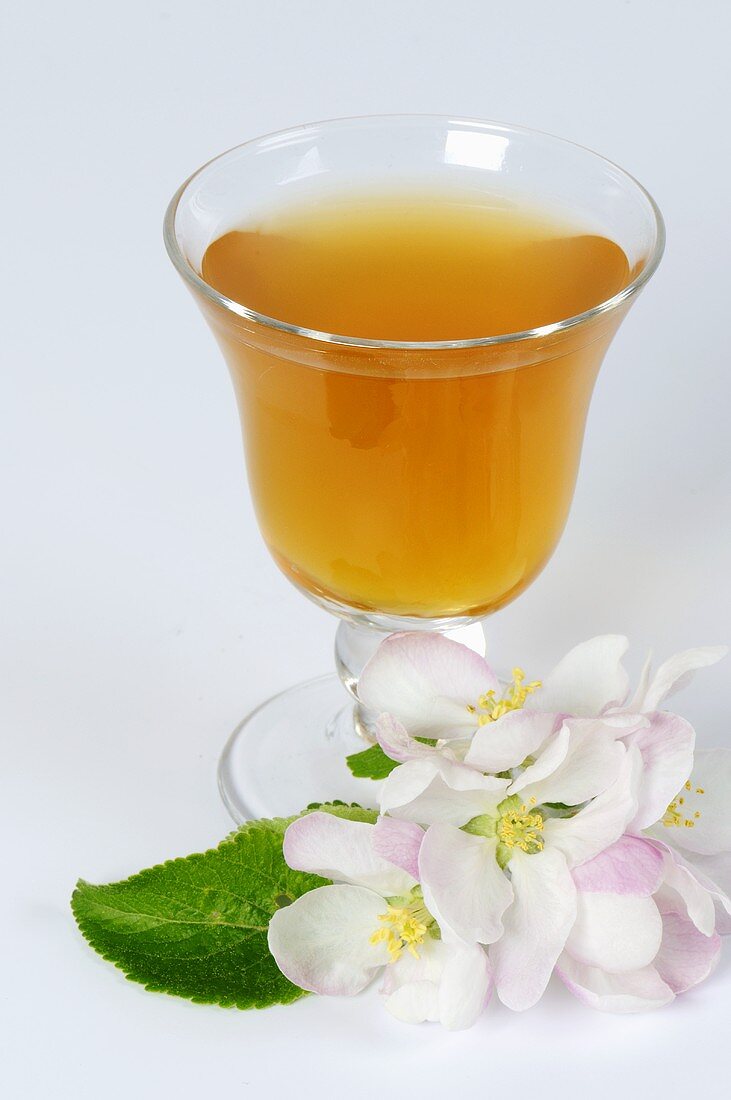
x=141, y=616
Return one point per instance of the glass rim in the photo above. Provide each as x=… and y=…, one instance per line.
x=188, y=272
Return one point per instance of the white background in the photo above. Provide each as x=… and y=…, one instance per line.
x=140, y=614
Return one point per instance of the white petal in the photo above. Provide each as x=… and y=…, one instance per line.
x=712, y=830
x=427, y=791
x=464, y=888
x=552, y=756
x=621, y=722
x=714, y=875
x=465, y=986
x=666, y=746
x=637, y=992
x=426, y=681
x=632, y=865
x=536, y=927
x=499, y=746
x=683, y=891
x=686, y=957
x=427, y=966
x=677, y=672
x=637, y=703
x=601, y=822
x=398, y=842
x=615, y=932
x=589, y=679
x=321, y=942
x=450, y=983
x=410, y=985
x=592, y=763
x=336, y=848
x=414, y=1002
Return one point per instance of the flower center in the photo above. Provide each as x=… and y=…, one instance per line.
x=521, y=828
x=489, y=707
x=404, y=926
x=681, y=812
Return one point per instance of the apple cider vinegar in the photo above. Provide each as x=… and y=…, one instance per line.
x=392, y=480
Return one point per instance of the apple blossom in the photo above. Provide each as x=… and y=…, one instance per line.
x=426, y=686
x=436, y=688
x=562, y=825
x=696, y=829
x=335, y=939
x=496, y=858
x=644, y=929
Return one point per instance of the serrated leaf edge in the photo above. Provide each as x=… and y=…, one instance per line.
x=275, y=824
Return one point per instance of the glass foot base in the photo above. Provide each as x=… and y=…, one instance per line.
x=291, y=751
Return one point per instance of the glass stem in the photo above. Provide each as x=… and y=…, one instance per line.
x=355, y=644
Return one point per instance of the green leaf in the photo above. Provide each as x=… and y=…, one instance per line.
x=372, y=763
x=197, y=927
x=352, y=811
x=560, y=809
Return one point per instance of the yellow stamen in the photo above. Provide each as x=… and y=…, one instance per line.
x=675, y=817
x=521, y=829
x=489, y=707
x=403, y=927
x=672, y=816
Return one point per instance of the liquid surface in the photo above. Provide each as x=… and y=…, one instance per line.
x=416, y=268
x=386, y=484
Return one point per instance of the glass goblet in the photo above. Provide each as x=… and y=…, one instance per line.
x=402, y=485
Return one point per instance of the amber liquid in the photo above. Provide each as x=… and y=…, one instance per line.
x=408, y=482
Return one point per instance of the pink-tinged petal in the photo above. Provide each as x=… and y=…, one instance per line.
x=637, y=992
x=589, y=679
x=714, y=875
x=682, y=890
x=630, y=866
x=321, y=942
x=536, y=927
x=396, y=742
x=464, y=888
x=686, y=957
x=677, y=672
x=465, y=987
x=708, y=796
x=614, y=932
x=336, y=848
x=428, y=791
x=551, y=758
x=398, y=745
x=666, y=745
x=499, y=746
x=592, y=762
x=426, y=681
x=398, y=842
x=603, y=821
